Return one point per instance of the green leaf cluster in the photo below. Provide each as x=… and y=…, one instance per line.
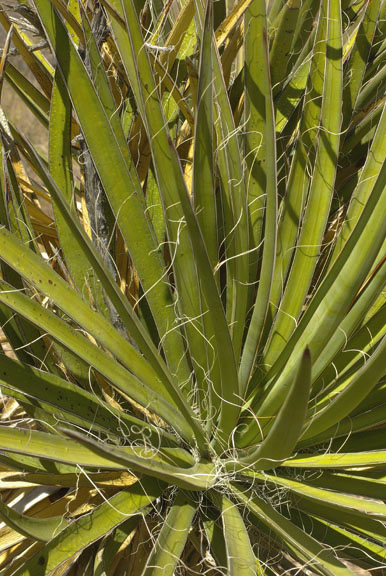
x=192, y=288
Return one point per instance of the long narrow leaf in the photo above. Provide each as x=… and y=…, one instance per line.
x=197, y=477
x=38, y=528
x=129, y=208
x=73, y=340
x=177, y=207
x=321, y=188
x=91, y=527
x=321, y=559
x=351, y=396
x=171, y=540
x=63, y=396
x=263, y=179
x=240, y=557
x=282, y=438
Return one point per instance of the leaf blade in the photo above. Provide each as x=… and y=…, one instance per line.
x=91, y=527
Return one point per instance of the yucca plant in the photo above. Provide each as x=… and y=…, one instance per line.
x=192, y=288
